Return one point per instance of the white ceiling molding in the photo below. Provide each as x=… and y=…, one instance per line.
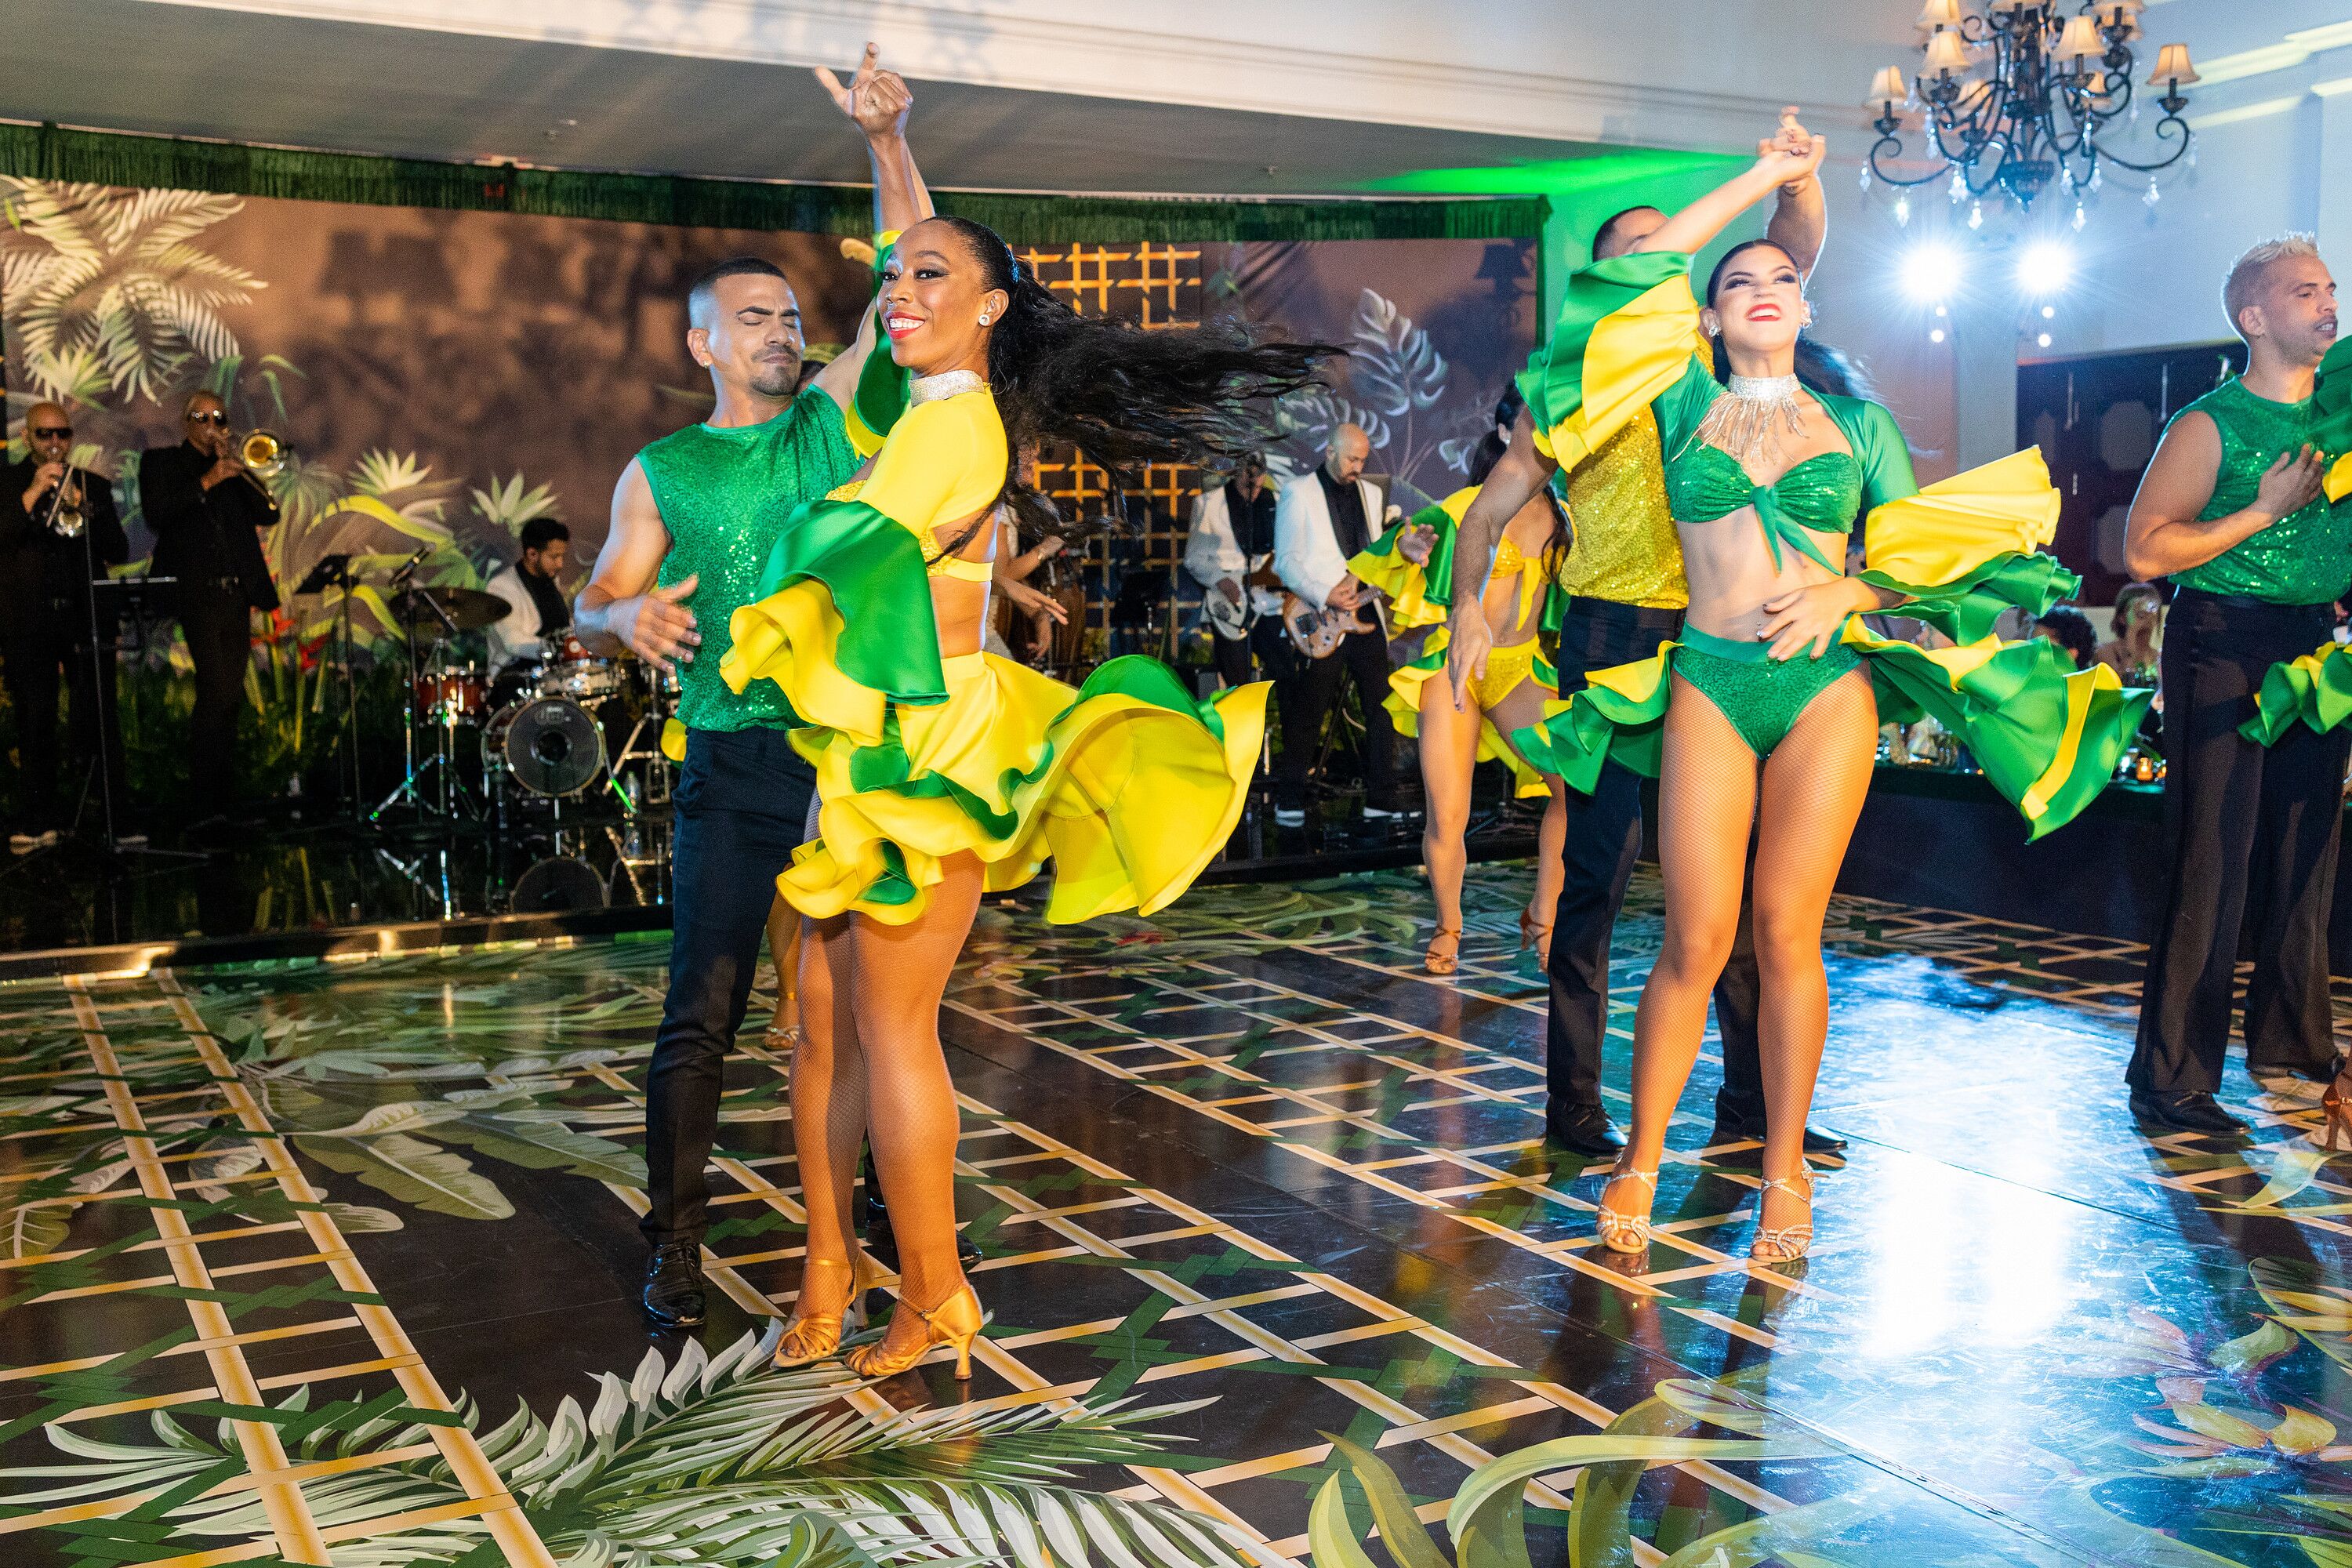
x=1102, y=59
x=2292, y=51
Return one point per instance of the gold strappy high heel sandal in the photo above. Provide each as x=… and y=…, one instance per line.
x=1535, y=934
x=807, y=1339
x=956, y=1321
x=1783, y=1243
x=1436, y=963
x=1621, y=1231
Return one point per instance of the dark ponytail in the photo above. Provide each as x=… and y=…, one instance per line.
x=1124, y=396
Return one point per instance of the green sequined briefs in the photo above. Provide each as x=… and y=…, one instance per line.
x=2305, y=557
x=724, y=496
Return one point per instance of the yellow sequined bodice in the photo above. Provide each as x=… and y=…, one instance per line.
x=1623, y=547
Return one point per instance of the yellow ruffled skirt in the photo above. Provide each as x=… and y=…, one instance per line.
x=1128, y=785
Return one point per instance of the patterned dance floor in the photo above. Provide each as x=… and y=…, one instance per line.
x=337, y=1262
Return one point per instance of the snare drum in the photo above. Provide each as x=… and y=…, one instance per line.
x=575, y=673
x=451, y=695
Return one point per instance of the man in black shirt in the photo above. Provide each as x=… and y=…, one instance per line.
x=1229, y=550
x=45, y=615
x=207, y=511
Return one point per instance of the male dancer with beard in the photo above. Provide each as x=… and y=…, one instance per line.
x=1623, y=576
x=694, y=518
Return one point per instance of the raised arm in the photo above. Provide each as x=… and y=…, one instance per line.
x=1783, y=162
x=621, y=607
x=877, y=101
x=1800, y=216
x=2163, y=536
x=1517, y=478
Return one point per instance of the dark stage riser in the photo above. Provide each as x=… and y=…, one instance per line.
x=1947, y=841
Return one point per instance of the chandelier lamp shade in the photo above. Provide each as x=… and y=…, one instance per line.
x=2025, y=93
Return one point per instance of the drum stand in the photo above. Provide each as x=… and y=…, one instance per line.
x=644, y=745
x=335, y=572
x=441, y=764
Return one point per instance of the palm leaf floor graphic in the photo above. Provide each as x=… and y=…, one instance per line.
x=333, y=1263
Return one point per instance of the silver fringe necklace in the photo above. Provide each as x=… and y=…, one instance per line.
x=1748, y=419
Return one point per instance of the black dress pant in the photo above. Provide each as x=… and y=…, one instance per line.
x=30, y=654
x=1306, y=699
x=1604, y=839
x=741, y=806
x=2254, y=832
x=217, y=623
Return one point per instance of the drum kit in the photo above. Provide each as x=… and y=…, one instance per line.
x=529, y=737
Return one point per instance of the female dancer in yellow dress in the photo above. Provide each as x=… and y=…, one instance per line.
x=1413, y=566
x=944, y=773
x=1764, y=719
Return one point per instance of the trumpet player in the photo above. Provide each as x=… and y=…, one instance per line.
x=208, y=512
x=58, y=528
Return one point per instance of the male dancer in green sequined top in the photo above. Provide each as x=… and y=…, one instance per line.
x=694, y=518
x=2231, y=510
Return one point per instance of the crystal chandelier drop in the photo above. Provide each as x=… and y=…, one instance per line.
x=2020, y=96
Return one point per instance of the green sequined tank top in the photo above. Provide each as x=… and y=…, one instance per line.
x=2304, y=558
x=724, y=496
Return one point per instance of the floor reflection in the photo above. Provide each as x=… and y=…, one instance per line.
x=1243, y=1152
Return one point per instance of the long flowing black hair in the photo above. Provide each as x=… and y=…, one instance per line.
x=1820, y=367
x=1124, y=396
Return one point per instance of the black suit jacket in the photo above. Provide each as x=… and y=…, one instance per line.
x=42, y=576
x=209, y=539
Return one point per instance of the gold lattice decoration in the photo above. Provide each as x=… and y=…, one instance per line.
x=1159, y=287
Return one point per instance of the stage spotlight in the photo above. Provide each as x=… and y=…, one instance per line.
x=2043, y=339
x=1932, y=272
x=2046, y=268
x=1937, y=336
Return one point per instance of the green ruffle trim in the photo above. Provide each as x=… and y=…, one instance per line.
x=888, y=767
x=1418, y=595
x=1553, y=382
x=1966, y=609
x=2314, y=689
x=2011, y=711
x=2331, y=401
x=873, y=569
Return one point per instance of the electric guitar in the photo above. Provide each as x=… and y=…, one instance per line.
x=1318, y=634
x=1232, y=621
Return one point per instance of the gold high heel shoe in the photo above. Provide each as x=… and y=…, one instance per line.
x=1783, y=1243
x=807, y=1339
x=1624, y=1232
x=1436, y=963
x=955, y=1321
x=1533, y=934
x=2335, y=1116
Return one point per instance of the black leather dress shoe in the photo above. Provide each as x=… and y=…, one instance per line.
x=2183, y=1110
x=1586, y=1132
x=1732, y=1128
x=673, y=1297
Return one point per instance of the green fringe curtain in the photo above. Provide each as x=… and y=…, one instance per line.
x=51, y=153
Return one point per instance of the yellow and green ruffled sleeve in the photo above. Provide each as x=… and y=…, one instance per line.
x=2331, y=421
x=1418, y=595
x=842, y=621
x=1965, y=549
x=881, y=394
x=1628, y=331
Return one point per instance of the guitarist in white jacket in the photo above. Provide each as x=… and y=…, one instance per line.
x=1320, y=519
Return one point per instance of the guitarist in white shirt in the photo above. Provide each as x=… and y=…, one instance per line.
x=1320, y=519
x=1230, y=553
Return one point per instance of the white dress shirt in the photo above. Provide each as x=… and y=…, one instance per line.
x=1307, y=554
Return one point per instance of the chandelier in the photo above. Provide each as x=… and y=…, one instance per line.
x=2051, y=87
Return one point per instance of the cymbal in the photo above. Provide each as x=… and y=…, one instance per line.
x=467, y=609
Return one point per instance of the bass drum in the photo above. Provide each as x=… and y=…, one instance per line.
x=551, y=747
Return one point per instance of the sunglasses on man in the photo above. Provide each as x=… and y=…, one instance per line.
x=212, y=416
x=50, y=433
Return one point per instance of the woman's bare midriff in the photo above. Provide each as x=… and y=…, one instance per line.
x=1729, y=568
x=962, y=607
x=1530, y=531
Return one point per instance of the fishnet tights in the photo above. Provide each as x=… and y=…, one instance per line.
x=869, y=1065
x=1811, y=796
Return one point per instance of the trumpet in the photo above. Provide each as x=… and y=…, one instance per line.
x=261, y=456
x=66, y=518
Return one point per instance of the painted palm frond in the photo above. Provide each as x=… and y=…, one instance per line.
x=1394, y=367
x=507, y=505
x=118, y=273
x=721, y=1460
